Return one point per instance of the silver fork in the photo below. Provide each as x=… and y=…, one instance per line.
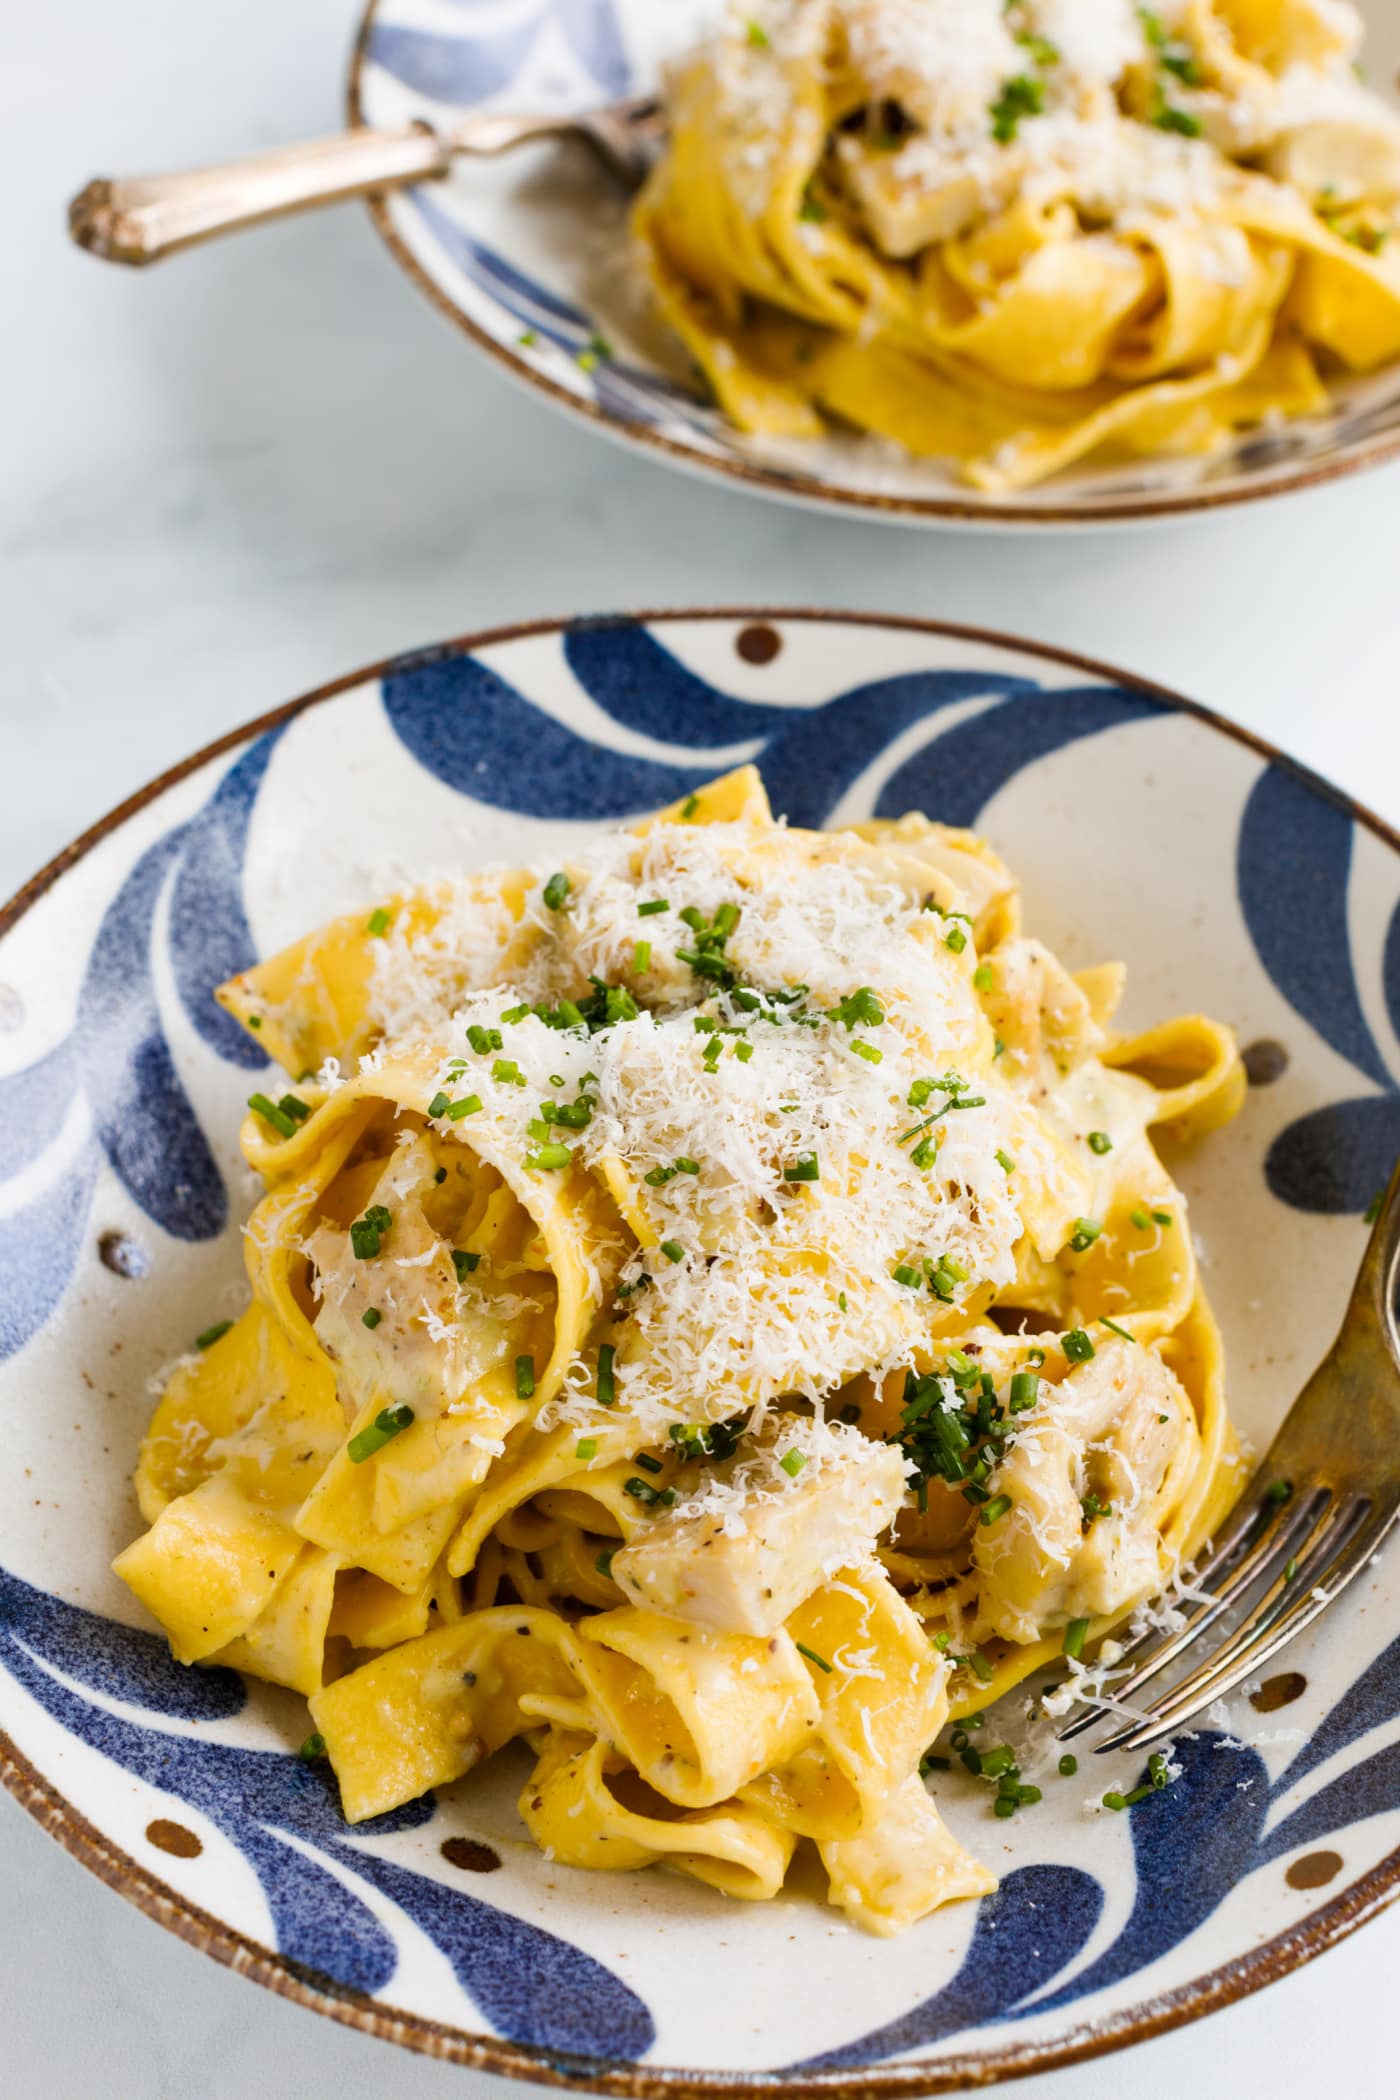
x=1317, y=1509
x=140, y=218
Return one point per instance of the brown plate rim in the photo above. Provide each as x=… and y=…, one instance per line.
x=1237, y=1979
x=804, y=489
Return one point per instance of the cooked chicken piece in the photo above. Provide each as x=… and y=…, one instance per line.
x=759, y=1533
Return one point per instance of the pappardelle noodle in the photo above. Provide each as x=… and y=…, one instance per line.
x=1014, y=233
x=717, y=1310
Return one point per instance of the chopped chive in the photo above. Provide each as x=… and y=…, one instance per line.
x=371, y=1317
x=931, y=1762
x=312, y=1750
x=469, y=1105
x=673, y=1250
x=1100, y=1141
x=1035, y=1356
x=651, y=1498
x=1139, y=1217
x=1086, y=1231
x=647, y=1463
x=685, y=1165
x=1278, y=1491
x=548, y=1158
x=439, y=1104
x=813, y=1657
x=955, y=939
x=1162, y=1217
x=269, y=1111
x=1115, y=1801
x=1114, y=1328
x=1290, y=1571
x=804, y=1168
x=689, y=807
x=1073, y=1643
x=641, y=957
x=483, y=1039
x=981, y=1666
x=514, y=1015
x=524, y=1377
x=373, y=1437
x=212, y=1334
x=757, y=36
x=792, y=1463
x=604, y=1564
x=527, y=338
x=506, y=1072
x=909, y=1277
x=841, y=1301
x=292, y=1105
x=379, y=923
x=1003, y=1806
x=367, y=1233
x=255, y=1020
x=607, y=1382
x=1077, y=1346
x=997, y=1507
x=586, y=1448
x=556, y=890
x=1006, y=1162
x=859, y=1009
x=464, y=1262
x=1024, y=1392
x=743, y=1051
x=652, y=906
x=1069, y=1765
x=869, y=1052
x=982, y=977
x=998, y=1049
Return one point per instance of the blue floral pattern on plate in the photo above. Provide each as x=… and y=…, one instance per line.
x=623, y=716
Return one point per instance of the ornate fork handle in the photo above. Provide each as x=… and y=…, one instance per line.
x=142, y=218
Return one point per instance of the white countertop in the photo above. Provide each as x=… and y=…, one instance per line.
x=265, y=463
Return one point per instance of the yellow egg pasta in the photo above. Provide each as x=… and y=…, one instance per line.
x=1017, y=233
x=717, y=1309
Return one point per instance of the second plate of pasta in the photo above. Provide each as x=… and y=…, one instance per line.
x=934, y=258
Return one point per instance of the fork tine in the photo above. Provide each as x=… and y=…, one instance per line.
x=1343, y=1543
x=1264, y=1545
x=1315, y=1551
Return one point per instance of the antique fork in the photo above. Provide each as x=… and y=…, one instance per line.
x=143, y=217
x=1318, y=1507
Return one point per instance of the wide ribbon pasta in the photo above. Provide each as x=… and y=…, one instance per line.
x=716, y=1308
x=1014, y=235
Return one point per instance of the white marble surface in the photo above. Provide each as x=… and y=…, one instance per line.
x=263, y=464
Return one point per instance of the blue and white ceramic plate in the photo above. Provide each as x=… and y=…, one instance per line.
x=1143, y=828
x=530, y=257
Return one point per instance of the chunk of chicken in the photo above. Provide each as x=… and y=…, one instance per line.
x=765, y=1529
x=1101, y=1441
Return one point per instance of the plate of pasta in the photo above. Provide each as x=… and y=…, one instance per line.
x=634, y=1248
x=1064, y=260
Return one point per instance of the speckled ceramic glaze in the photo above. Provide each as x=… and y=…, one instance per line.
x=1226, y=878
x=530, y=256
